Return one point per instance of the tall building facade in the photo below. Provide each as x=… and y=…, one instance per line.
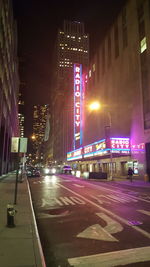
x=119, y=77
x=72, y=47
x=40, y=113
x=9, y=85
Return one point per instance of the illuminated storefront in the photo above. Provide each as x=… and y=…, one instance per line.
x=97, y=156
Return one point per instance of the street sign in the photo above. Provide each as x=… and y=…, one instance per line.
x=23, y=145
x=16, y=147
x=14, y=144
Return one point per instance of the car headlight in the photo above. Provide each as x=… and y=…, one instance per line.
x=53, y=170
x=46, y=170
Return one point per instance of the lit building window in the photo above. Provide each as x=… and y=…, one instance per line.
x=93, y=67
x=143, y=45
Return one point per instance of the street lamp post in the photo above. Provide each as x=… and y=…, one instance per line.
x=96, y=106
x=111, y=156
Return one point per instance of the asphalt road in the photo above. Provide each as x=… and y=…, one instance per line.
x=91, y=223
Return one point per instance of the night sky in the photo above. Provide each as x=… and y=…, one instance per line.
x=38, y=22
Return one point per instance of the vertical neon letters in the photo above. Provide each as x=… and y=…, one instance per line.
x=77, y=103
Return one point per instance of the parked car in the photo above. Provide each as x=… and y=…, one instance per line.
x=66, y=169
x=33, y=172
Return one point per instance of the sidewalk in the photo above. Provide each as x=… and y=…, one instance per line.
x=137, y=182
x=19, y=246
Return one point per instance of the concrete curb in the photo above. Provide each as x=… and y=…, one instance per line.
x=36, y=229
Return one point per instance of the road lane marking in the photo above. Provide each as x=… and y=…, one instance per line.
x=72, y=200
x=112, y=226
x=146, y=212
x=115, y=258
x=99, y=200
x=61, y=201
x=146, y=234
x=125, y=194
x=78, y=185
x=97, y=232
x=117, y=199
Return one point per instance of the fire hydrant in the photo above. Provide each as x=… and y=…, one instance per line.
x=10, y=215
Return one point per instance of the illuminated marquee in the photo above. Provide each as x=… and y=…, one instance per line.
x=77, y=105
x=119, y=146
x=74, y=155
x=120, y=143
x=97, y=148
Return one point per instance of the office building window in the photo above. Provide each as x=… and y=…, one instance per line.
x=143, y=45
x=144, y=67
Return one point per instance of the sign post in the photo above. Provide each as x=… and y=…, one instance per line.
x=18, y=145
x=17, y=174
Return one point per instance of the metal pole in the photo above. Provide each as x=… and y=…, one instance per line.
x=111, y=156
x=17, y=174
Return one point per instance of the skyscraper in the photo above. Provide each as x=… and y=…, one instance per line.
x=39, y=123
x=72, y=47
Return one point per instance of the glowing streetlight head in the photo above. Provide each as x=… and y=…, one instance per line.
x=33, y=137
x=95, y=105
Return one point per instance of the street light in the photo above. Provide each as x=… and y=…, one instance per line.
x=33, y=137
x=96, y=106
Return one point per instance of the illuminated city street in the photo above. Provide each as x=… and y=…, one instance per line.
x=75, y=133
x=92, y=223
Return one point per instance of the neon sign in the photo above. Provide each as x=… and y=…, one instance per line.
x=77, y=105
x=119, y=146
x=120, y=143
x=74, y=155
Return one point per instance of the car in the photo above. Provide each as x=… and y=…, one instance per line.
x=33, y=172
x=66, y=169
x=49, y=170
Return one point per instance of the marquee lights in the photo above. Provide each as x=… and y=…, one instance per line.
x=119, y=146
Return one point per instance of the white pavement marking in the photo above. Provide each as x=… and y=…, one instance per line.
x=110, y=259
x=146, y=212
x=122, y=194
x=108, y=212
x=112, y=226
x=99, y=200
x=78, y=185
x=97, y=232
x=102, y=233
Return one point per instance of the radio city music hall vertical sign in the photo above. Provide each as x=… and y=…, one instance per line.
x=77, y=105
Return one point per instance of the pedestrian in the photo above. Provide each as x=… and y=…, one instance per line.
x=130, y=173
